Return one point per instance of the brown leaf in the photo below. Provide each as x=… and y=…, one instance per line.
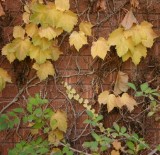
x=101, y=5
x=121, y=83
x=117, y=145
x=135, y=3
x=1, y=10
x=129, y=20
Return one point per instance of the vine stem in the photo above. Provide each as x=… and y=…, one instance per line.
x=75, y=150
x=17, y=96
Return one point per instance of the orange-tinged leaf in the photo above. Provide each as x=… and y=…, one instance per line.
x=44, y=70
x=25, y=17
x=135, y=3
x=62, y=5
x=86, y=28
x=114, y=152
x=117, y=145
x=55, y=53
x=101, y=5
x=102, y=98
x=49, y=32
x=1, y=10
x=99, y=48
x=128, y=101
x=18, y=32
x=67, y=21
x=61, y=121
x=121, y=84
x=78, y=39
x=129, y=20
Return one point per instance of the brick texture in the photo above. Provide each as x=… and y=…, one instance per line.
x=87, y=75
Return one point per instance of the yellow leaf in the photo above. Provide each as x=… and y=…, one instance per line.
x=99, y=48
x=139, y=52
x=102, y=98
x=111, y=102
x=147, y=34
x=55, y=53
x=53, y=15
x=25, y=17
x=4, y=77
x=135, y=3
x=61, y=121
x=39, y=55
x=86, y=28
x=115, y=37
x=49, y=32
x=34, y=131
x=67, y=21
x=121, y=84
x=44, y=70
x=43, y=43
x=31, y=29
x=126, y=56
x=114, y=152
x=128, y=101
x=129, y=20
x=55, y=136
x=78, y=39
x=9, y=52
x=21, y=48
x=55, y=150
x=18, y=32
x=62, y=5
x=117, y=145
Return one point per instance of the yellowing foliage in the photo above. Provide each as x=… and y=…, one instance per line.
x=59, y=121
x=86, y=28
x=4, y=77
x=78, y=39
x=113, y=101
x=44, y=70
x=133, y=43
x=18, y=32
x=99, y=48
x=62, y=5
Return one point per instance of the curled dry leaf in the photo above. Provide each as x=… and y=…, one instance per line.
x=121, y=83
x=101, y=5
x=129, y=20
x=135, y=3
x=1, y=10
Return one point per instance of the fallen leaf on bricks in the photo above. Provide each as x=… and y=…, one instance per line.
x=121, y=83
x=129, y=20
x=1, y=10
x=101, y=5
x=135, y=3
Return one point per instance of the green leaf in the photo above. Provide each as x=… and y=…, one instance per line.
x=18, y=110
x=123, y=129
x=95, y=136
x=131, y=85
x=116, y=126
x=144, y=87
x=150, y=113
x=138, y=94
x=130, y=145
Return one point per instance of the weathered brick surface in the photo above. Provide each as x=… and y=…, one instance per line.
x=86, y=75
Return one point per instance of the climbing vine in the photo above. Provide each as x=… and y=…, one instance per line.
x=46, y=24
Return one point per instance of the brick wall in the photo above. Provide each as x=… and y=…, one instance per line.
x=79, y=69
